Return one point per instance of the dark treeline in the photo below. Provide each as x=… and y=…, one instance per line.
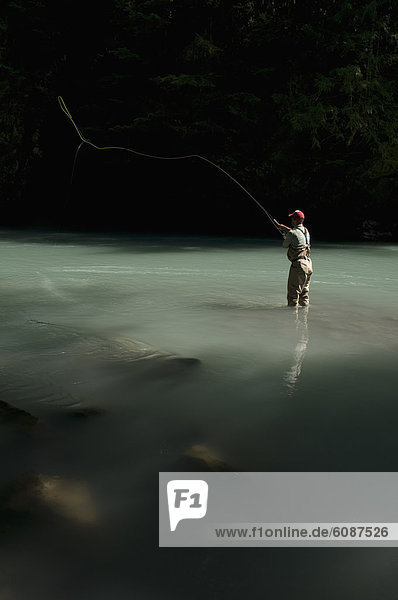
x=297, y=99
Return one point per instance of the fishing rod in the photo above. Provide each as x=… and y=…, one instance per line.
x=154, y=156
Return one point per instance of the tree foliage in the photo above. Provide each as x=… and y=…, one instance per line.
x=298, y=99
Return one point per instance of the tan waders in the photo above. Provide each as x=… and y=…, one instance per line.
x=298, y=285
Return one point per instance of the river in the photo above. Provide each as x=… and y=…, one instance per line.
x=86, y=322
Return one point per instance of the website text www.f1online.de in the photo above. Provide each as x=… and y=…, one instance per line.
x=314, y=531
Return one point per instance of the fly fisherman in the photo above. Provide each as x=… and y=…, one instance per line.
x=297, y=241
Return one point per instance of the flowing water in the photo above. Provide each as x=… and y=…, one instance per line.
x=88, y=322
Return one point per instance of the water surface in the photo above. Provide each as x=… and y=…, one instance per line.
x=277, y=389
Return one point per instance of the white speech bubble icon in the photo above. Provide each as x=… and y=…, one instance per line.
x=187, y=499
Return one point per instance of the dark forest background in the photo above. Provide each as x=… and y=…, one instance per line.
x=297, y=99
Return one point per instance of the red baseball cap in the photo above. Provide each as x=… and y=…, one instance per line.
x=298, y=214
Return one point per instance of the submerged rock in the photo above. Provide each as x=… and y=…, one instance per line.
x=174, y=365
x=39, y=495
x=64, y=367
x=199, y=458
x=16, y=419
x=83, y=414
x=114, y=349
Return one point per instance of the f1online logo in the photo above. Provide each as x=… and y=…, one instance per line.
x=187, y=499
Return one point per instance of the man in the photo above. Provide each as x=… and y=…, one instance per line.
x=297, y=241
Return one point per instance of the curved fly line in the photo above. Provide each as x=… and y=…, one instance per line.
x=84, y=140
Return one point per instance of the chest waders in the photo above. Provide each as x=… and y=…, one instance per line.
x=298, y=285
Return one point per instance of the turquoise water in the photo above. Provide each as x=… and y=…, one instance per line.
x=277, y=389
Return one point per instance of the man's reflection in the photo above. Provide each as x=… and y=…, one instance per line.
x=292, y=375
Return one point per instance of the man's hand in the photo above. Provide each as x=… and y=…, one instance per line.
x=282, y=227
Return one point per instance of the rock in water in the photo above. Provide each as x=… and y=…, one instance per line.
x=199, y=458
x=122, y=350
x=85, y=413
x=15, y=419
x=38, y=494
x=174, y=365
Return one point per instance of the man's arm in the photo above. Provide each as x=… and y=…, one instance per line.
x=288, y=239
x=285, y=231
x=283, y=228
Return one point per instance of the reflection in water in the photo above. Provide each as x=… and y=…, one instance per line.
x=292, y=375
